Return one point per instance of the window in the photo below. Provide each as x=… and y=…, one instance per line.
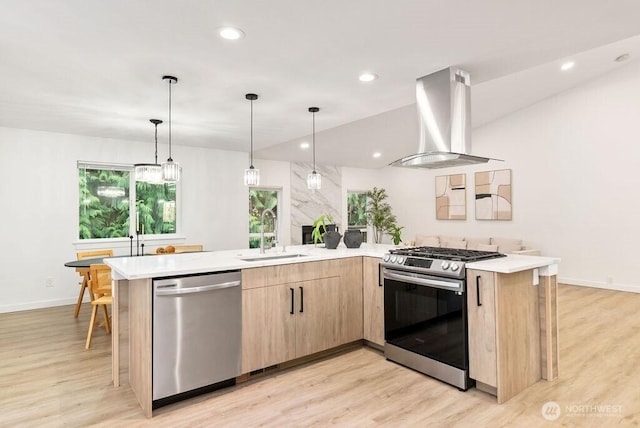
x=156, y=204
x=105, y=205
x=260, y=200
x=357, y=212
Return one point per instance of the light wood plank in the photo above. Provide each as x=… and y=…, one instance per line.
x=279, y=325
x=317, y=320
x=254, y=278
x=302, y=271
x=483, y=362
x=253, y=327
x=518, y=333
x=548, y=308
x=373, y=301
x=349, y=311
x=47, y=378
x=140, y=339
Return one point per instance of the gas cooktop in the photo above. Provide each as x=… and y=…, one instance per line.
x=446, y=262
x=452, y=254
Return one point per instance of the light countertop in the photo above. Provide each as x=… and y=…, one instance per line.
x=156, y=266
x=516, y=263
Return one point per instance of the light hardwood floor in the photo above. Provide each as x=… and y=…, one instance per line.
x=48, y=379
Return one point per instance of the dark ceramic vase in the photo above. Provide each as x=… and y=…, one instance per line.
x=331, y=239
x=352, y=238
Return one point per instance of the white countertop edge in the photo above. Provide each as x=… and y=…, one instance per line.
x=513, y=263
x=158, y=266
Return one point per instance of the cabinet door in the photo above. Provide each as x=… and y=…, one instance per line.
x=279, y=325
x=373, y=295
x=253, y=321
x=317, y=318
x=350, y=309
x=481, y=308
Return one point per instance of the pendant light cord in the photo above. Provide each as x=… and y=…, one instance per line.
x=170, y=82
x=313, y=139
x=251, y=138
x=156, y=156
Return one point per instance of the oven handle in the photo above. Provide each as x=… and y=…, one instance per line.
x=416, y=279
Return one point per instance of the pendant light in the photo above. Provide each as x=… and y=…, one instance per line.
x=170, y=169
x=251, y=175
x=150, y=172
x=314, y=180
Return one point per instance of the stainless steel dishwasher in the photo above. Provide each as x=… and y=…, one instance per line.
x=197, y=333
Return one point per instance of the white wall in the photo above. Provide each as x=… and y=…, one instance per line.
x=409, y=194
x=40, y=207
x=575, y=192
x=276, y=174
x=574, y=159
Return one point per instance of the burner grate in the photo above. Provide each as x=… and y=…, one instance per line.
x=453, y=254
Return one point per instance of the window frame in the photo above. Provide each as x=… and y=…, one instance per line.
x=279, y=192
x=90, y=243
x=364, y=228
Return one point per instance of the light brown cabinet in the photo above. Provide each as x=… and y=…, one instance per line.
x=253, y=317
x=482, y=327
x=373, y=301
x=318, y=307
x=504, y=333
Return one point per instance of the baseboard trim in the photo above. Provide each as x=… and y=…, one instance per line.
x=40, y=304
x=599, y=284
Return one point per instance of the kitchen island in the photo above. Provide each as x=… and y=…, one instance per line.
x=334, y=277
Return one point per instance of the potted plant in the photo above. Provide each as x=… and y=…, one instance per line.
x=379, y=215
x=395, y=232
x=320, y=233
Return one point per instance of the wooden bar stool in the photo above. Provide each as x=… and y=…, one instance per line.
x=84, y=273
x=100, y=286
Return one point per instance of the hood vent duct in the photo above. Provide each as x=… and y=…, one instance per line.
x=444, y=112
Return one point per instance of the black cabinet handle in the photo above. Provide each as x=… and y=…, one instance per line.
x=301, y=299
x=478, y=290
x=292, y=297
x=380, y=276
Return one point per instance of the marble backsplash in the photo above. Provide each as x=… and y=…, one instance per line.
x=307, y=205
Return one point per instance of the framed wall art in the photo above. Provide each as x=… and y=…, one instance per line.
x=451, y=197
x=493, y=195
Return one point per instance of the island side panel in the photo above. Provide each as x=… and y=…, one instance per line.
x=549, y=344
x=140, y=342
x=119, y=331
x=518, y=330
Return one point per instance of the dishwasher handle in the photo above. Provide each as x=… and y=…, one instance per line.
x=171, y=290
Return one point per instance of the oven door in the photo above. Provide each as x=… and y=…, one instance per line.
x=426, y=315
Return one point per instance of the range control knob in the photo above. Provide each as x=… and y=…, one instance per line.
x=445, y=265
x=400, y=260
x=454, y=266
x=393, y=258
x=386, y=257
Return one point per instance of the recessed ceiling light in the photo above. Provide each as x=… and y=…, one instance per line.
x=567, y=66
x=231, y=33
x=377, y=154
x=622, y=57
x=304, y=145
x=367, y=77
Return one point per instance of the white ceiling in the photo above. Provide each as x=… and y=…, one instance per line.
x=95, y=67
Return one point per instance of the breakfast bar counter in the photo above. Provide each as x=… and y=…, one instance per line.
x=133, y=294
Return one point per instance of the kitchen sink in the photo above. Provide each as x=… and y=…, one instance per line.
x=272, y=257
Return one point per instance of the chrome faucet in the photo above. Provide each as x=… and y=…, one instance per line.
x=275, y=229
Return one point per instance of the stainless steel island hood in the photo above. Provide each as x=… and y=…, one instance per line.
x=444, y=112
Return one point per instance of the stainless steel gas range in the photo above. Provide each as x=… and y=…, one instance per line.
x=425, y=310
